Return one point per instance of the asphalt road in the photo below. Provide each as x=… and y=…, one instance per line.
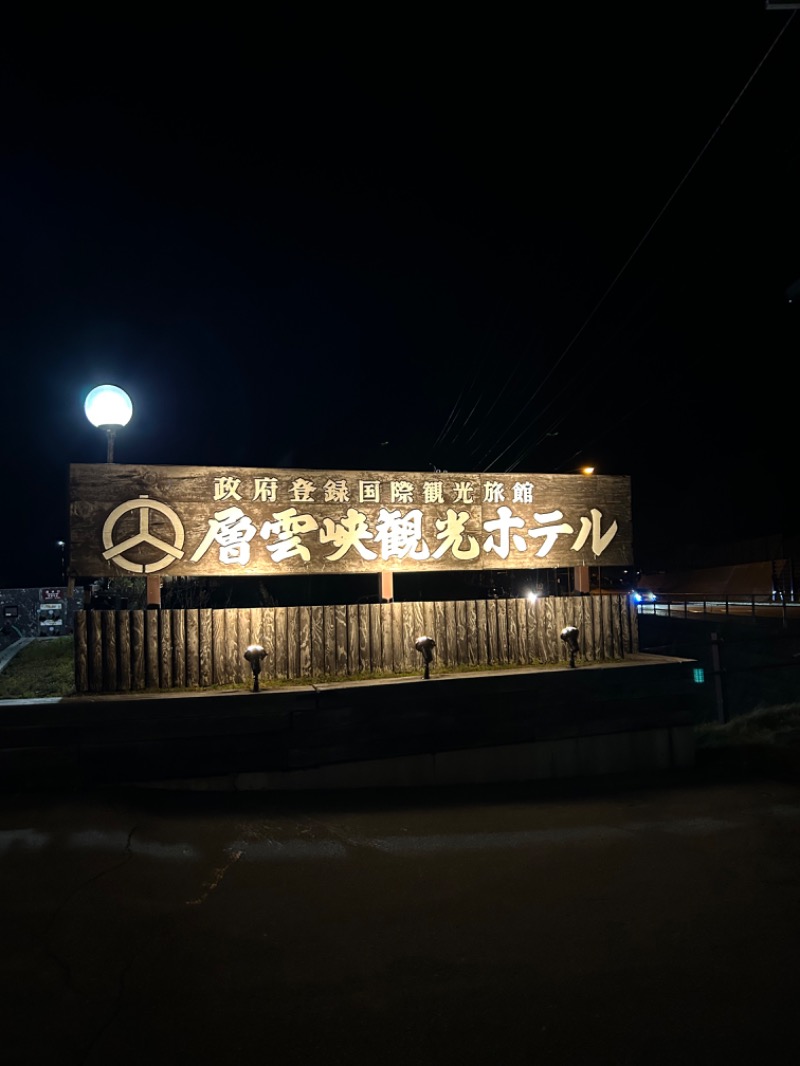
x=603, y=923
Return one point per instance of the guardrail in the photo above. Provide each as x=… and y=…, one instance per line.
x=747, y=647
x=689, y=603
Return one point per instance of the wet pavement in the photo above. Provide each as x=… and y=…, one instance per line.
x=617, y=922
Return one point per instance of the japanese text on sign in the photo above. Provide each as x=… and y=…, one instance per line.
x=196, y=520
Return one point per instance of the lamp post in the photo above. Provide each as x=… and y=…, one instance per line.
x=108, y=407
x=61, y=545
x=581, y=576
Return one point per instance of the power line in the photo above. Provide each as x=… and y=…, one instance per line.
x=635, y=251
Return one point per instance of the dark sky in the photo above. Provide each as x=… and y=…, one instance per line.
x=404, y=241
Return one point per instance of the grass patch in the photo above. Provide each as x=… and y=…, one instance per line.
x=43, y=668
x=390, y=675
x=765, y=726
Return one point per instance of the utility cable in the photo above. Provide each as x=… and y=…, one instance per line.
x=647, y=233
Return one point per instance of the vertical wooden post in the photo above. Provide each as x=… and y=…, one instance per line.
x=81, y=653
x=137, y=650
x=123, y=651
x=151, y=650
x=95, y=652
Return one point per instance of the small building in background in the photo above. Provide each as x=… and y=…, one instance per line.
x=38, y=612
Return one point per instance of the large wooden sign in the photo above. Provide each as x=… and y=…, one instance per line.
x=185, y=520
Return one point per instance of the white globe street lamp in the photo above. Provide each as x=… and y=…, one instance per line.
x=107, y=407
x=62, y=544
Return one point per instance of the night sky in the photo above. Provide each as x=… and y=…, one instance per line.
x=405, y=241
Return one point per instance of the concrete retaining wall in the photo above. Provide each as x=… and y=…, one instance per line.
x=507, y=725
x=654, y=749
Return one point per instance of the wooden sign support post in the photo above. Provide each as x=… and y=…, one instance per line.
x=153, y=590
x=386, y=585
x=580, y=579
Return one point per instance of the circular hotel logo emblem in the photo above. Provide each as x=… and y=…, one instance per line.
x=145, y=505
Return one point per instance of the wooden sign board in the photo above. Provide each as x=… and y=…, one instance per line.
x=204, y=521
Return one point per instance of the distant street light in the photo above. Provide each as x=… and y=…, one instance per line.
x=108, y=407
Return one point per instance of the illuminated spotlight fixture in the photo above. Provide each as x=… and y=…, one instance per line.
x=255, y=655
x=532, y=597
x=108, y=407
x=588, y=470
x=569, y=634
x=425, y=646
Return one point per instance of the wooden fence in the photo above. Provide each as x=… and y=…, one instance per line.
x=128, y=651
